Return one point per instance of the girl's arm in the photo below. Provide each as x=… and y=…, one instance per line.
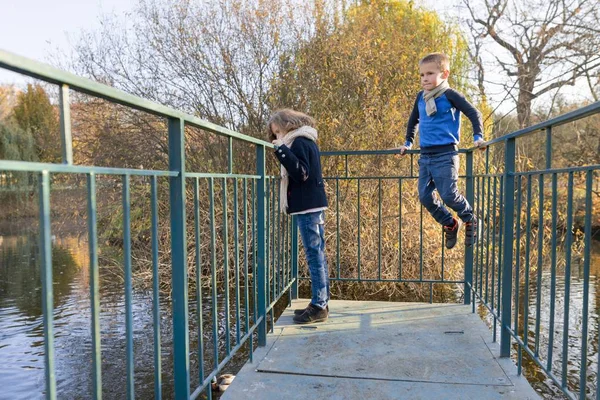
x=295, y=160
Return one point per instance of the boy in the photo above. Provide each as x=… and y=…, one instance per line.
x=437, y=112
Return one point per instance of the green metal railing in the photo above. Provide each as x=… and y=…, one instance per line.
x=513, y=228
x=266, y=240
x=401, y=190
x=379, y=236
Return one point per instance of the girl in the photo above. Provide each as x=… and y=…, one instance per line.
x=303, y=195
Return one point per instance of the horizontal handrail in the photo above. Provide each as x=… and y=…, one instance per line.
x=50, y=74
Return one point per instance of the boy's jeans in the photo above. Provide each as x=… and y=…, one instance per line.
x=311, y=227
x=440, y=171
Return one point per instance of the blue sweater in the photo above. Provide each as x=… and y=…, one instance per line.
x=443, y=127
x=302, y=161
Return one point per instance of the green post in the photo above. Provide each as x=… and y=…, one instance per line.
x=181, y=361
x=47, y=286
x=65, y=125
x=469, y=250
x=294, y=257
x=507, y=256
x=261, y=229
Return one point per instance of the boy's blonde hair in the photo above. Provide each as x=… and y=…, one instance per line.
x=288, y=120
x=440, y=59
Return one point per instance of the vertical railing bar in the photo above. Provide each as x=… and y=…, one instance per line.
x=493, y=254
x=379, y=226
x=400, y=229
x=237, y=260
x=337, y=235
x=213, y=270
x=358, y=207
x=487, y=242
x=278, y=238
x=261, y=271
x=527, y=266
x=483, y=228
x=586, y=291
x=272, y=262
x=246, y=276
x=552, y=271
x=470, y=194
x=501, y=213
x=346, y=162
x=128, y=285
x=47, y=285
x=538, y=317
x=294, y=260
x=420, y=241
x=493, y=251
x=177, y=196
x=66, y=139
x=230, y=155
x=156, y=290
x=225, y=201
x=517, y=263
x=254, y=233
x=285, y=251
x=568, y=243
x=94, y=286
x=198, y=279
x=268, y=256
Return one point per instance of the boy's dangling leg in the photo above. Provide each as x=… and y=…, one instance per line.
x=437, y=210
x=446, y=178
x=426, y=186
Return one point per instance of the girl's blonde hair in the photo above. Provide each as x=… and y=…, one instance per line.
x=288, y=120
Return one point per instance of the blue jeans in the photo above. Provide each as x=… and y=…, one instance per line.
x=440, y=171
x=312, y=232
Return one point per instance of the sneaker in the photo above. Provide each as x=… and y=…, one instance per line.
x=451, y=232
x=311, y=315
x=300, y=311
x=471, y=232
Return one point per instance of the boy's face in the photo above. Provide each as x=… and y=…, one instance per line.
x=431, y=75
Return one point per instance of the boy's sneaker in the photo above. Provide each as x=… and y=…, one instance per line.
x=471, y=232
x=300, y=311
x=311, y=315
x=451, y=232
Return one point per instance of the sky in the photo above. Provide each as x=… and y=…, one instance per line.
x=37, y=28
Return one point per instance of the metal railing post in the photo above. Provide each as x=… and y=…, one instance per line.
x=470, y=194
x=294, y=257
x=507, y=251
x=261, y=229
x=65, y=125
x=181, y=361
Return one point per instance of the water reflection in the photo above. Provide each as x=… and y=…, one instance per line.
x=22, y=373
x=534, y=374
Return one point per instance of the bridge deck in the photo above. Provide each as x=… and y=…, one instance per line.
x=381, y=350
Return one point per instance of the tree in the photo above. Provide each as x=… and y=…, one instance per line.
x=359, y=80
x=34, y=113
x=546, y=45
x=16, y=143
x=211, y=59
x=7, y=100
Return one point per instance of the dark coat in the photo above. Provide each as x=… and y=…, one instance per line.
x=306, y=189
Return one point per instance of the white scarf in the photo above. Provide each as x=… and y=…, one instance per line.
x=304, y=131
x=431, y=95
